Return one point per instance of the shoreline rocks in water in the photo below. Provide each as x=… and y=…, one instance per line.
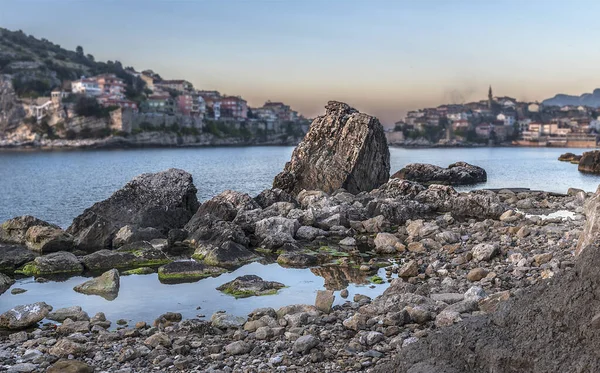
x=570, y=157
x=107, y=285
x=590, y=162
x=459, y=173
x=249, y=286
x=342, y=149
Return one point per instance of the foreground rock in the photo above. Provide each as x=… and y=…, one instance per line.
x=107, y=285
x=591, y=230
x=342, y=149
x=164, y=200
x=459, y=173
x=36, y=234
x=590, y=162
x=250, y=285
x=139, y=254
x=60, y=263
x=13, y=257
x=5, y=283
x=22, y=317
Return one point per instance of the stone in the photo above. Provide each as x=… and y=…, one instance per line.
x=540, y=259
x=294, y=259
x=348, y=241
x=387, y=243
x=447, y=318
x=475, y=293
x=24, y=316
x=342, y=149
x=74, y=313
x=158, y=339
x=47, y=239
x=490, y=304
x=590, y=162
x=459, y=173
x=484, y=252
x=163, y=200
x=270, y=196
x=409, y=269
x=69, y=366
x=61, y=262
x=591, y=228
x=167, y=319
x=449, y=298
x=223, y=320
x=375, y=224
x=263, y=333
x=250, y=285
x=309, y=233
x=305, y=343
x=106, y=285
x=355, y=322
x=371, y=338
x=569, y=157
x=129, y=234
x=186, y=271
x=324, y=300
x=22, y=368
x=70, y=327
x=65, y=347
x=15, y=230
x=13, y=257
x=135, y=255
x=226, y=205
x=5, y=283
x=238, y=348
x=476, y=274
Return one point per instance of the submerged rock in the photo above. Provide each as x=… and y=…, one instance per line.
x=163, y=200
x=186, y=271
x=342, y=149
x=250, y=285
x=107, y=285
x=21, y=317
x=295, y=259
x=459, y=173
x=55, y=263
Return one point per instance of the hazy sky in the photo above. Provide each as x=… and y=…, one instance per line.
x=383, y=57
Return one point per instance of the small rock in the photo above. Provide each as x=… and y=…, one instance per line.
x=324, y=300
x=476, y=274
x=305, y=343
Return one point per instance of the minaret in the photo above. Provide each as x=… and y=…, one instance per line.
x=490, y=98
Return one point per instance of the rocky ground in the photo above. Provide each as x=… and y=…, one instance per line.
x=450, y=269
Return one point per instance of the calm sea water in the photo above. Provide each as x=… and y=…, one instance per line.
x=57, y=186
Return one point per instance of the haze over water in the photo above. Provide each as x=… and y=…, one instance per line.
x=58, y=186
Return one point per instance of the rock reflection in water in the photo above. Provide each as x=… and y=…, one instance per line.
x=338, y=278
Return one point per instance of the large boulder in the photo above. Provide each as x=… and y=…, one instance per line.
x=342, y=149
x=47, y=239
x=61, y=262
x=186, y=271
x=226, y=205
x=5, y=283
x=22, y=317
x=590, y=162
x=459, y=173
x=106, y=285
x=270, y=196
x=591, y=229
x=13, y=257
x=15, y=230
x=569, y=157
x=163, y=200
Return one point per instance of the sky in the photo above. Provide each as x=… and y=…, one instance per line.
x=383, y=57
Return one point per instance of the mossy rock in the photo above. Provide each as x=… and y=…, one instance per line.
x=249, y=286
x=52, y=264
x=139, y=271
x=377, y=280
x=187, y=271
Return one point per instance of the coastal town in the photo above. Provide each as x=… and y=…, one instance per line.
x=500, y=121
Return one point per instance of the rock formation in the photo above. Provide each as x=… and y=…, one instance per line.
x=459, y=173
x=163, y=200
x=342, y=149
x=591, y=229
x=569, y=157
x=590, y=162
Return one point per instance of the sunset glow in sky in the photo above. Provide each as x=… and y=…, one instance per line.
x=383, y=57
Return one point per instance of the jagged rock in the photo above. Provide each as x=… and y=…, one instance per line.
x=590, y=162
x=342, y=149
x=128, y=235
x=324, y=300
x=107, y=285
x=5, y=283
x=270, y=196
x=226, y=205
x=55, y=263
x=309, y=233
x=304, y=344
x=13, y=257
x=387, y=243
x=21, y=317
x=477, y=204
x=459, y=173
x=569, y=157
x=65, y=347
x=250, y=285
x=276, y=231
x=138, y=254
x=186, y=271
x=163, y=200
x=398, y=188
x=591, y=229
x=15, y=230
x=223, y=320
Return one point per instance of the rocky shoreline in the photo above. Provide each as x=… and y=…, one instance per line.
x=450, y=258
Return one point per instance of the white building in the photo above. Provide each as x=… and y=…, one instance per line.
x=86, y=86
x=508, y=120
x=458, y=116
x=217, y=109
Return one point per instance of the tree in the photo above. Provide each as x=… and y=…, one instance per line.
x=79, y=50
x=90, y=57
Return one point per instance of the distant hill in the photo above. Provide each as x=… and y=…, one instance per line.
x=586, y=99
x=37, y=65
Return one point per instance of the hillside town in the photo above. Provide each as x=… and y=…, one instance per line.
x=499, y=121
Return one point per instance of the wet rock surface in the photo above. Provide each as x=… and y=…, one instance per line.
x=342, y=149
x=590, y=162
x=106, y=285
x=250, y=285
x=459, y=173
